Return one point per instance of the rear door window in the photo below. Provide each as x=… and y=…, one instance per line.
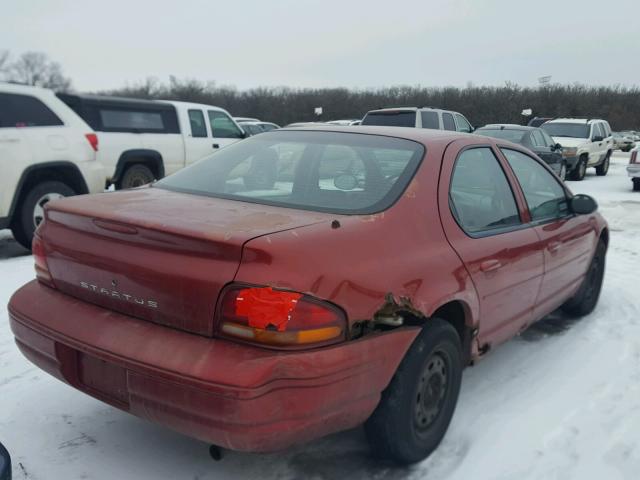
x=447, y=121
x=538, y=139
x=222, y=126
x=198, y=127
x=25, y=111
x=430, y=120
x=480, y=196
x=395, y=118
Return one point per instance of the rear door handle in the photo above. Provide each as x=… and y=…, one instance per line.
x=216, y=145
x=554, y=246
x=490, y=265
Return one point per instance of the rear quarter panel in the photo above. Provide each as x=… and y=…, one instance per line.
x=401, y=251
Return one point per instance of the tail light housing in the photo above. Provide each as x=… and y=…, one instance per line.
x=92, y=138
x=278, y=318
x=634, y=157
x=40, y=258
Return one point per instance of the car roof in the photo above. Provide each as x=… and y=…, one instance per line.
x=191, y=105
x=9, y=87
x=509, y=126
x=578, y=121
x=421, y=135
x=409, y=109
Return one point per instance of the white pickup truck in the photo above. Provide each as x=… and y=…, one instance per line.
x=144, y=140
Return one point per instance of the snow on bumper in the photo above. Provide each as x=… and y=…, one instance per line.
x=235, y=396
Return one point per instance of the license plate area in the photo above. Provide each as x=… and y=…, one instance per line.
x=103, y=379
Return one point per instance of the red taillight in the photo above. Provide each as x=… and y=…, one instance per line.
x=40, y=259
x=279, y=318
x=93, y=140
x=634, y=157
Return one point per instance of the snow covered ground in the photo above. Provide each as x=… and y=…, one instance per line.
x=562, y=401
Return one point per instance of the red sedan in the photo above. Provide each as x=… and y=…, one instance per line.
x=304, y=282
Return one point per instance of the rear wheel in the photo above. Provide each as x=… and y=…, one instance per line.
x=586, y=298
x=580, y=169
x=31, y=211
x=415, y=410
x=136, y=175
x=603, y=168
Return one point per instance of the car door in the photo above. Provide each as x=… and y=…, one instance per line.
x=567, y=239
x=462, y=124
x=486, y=226
x=198, y=142
x=541, y=148
x=599, y=147
x=15, y=153
x=223, y=129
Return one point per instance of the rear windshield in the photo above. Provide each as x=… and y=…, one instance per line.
x=514, y=136
x=571, y=130
x=334, y=172
x=391, y=119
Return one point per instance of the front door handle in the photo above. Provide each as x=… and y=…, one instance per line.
x=216, y=145
x=490, y=265
x=554, y=246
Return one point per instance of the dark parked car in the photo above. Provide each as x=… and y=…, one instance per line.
x=303, y=282
x=5, y=464
x=535, y=139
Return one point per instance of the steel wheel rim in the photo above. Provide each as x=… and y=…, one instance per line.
x=38, y=211
x=431, y=392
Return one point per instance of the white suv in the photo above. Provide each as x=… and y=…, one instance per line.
x=418, y=117
x=46, y=152
x=585, y=143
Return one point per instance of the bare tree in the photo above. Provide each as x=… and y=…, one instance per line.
x=35, y=68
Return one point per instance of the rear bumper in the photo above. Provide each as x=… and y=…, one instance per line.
x=634, y=170
x=235, y=396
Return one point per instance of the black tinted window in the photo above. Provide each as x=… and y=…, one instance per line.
x=131, y=120
x=545, y=196
x=430, y=120
x=222, y=126
x=322, y=171
x=447, y=121
x=571, y=130
x=480, y=196
x=198, y=127
x=391, y=119
x=25, y=111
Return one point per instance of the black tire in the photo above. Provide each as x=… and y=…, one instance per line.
x=625, y=150
x=136, y=175
x=636, y=184
x=586, y=298
x=415, y=410
x=580, y=170
x=26, y=221
x=603, y=168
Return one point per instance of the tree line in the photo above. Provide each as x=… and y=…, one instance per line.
x=283, y=105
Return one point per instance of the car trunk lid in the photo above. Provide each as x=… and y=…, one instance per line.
x=153, y=254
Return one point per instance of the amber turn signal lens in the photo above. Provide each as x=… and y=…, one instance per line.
x=279, y=318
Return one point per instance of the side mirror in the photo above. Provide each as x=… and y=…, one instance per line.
x=598, y=138
x=5, y=464
x=557, y=146
x=583, y=204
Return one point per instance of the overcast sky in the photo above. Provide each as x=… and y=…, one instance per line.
x=316, y=43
